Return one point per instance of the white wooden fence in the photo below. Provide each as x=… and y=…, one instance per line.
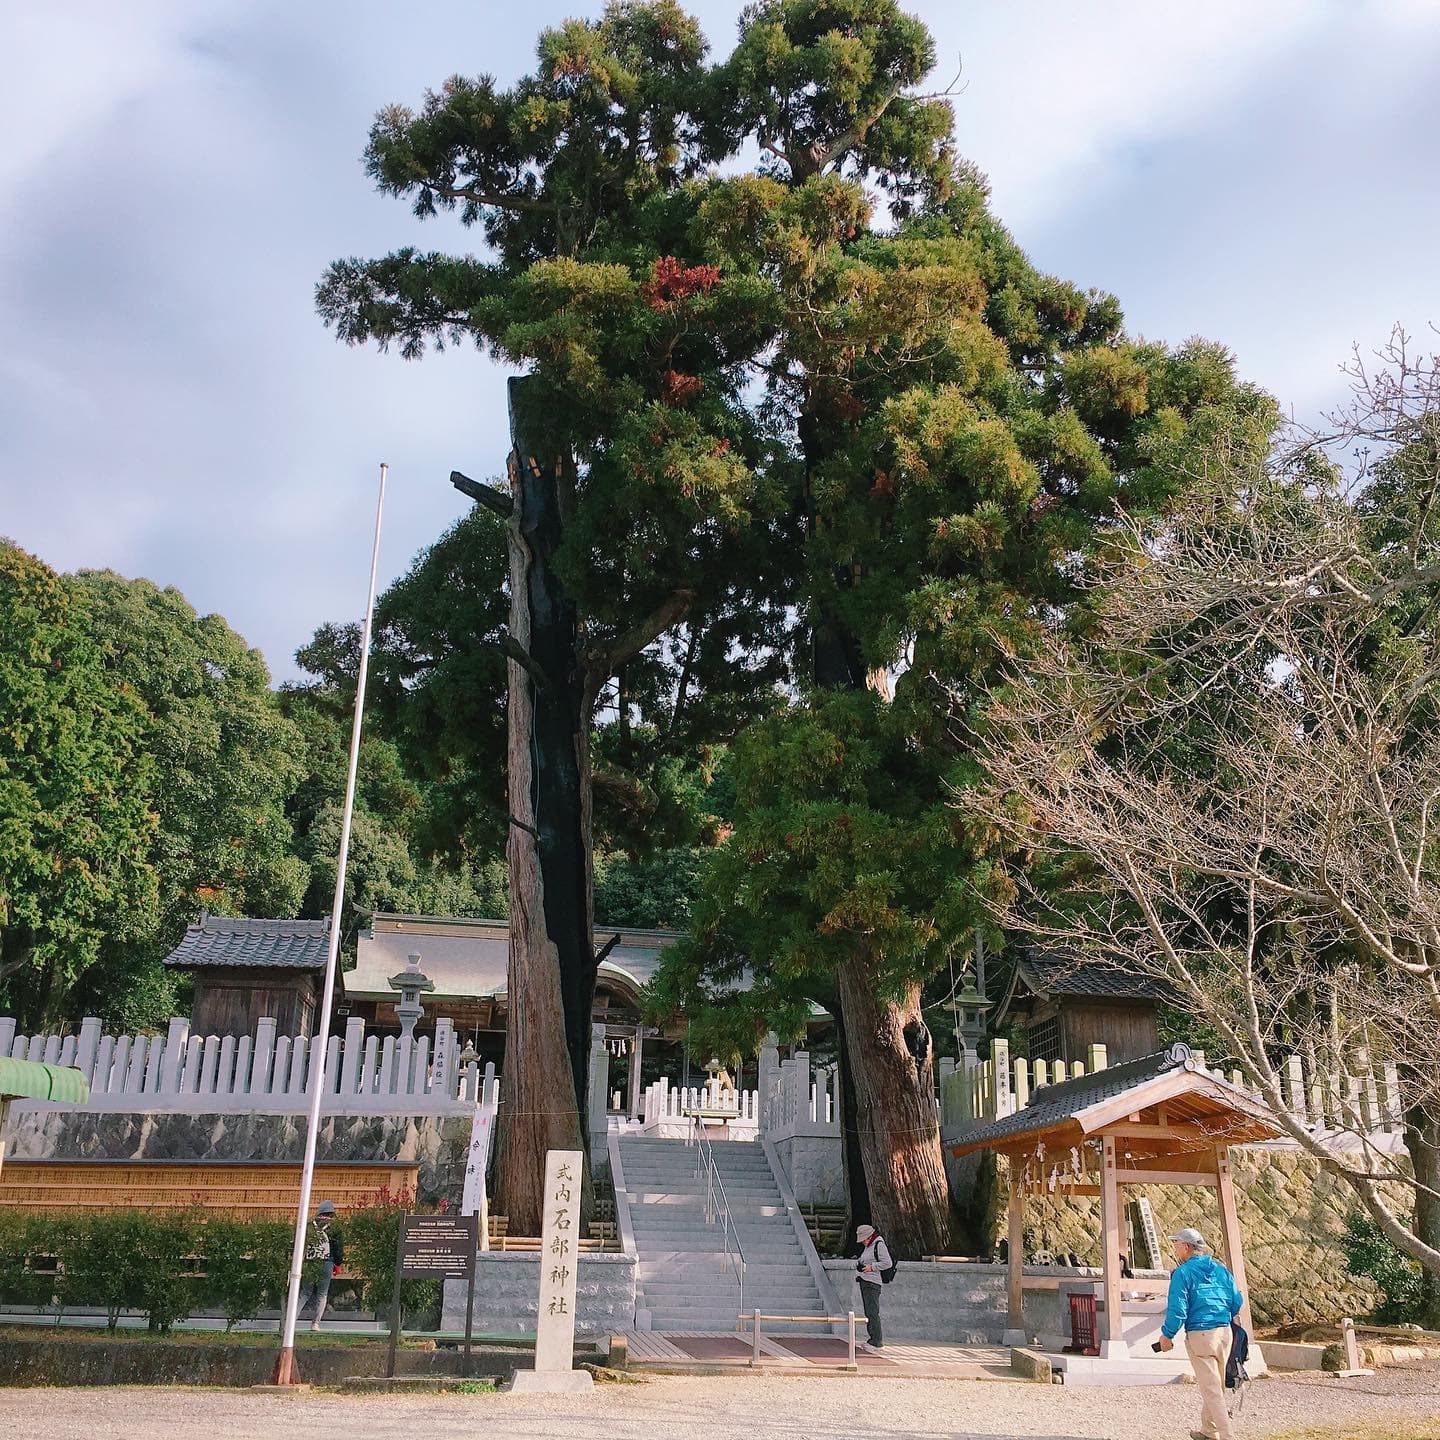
x=367, y=1075
x=668, y=1111
x=1361, y=1100
x=178, y=1071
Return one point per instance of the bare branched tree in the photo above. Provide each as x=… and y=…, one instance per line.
x=1225, y=770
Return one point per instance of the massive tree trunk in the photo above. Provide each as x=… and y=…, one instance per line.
x=1422, y=1140
x=892, y=1064
x=857, y=1192
x=887, y=1087
x=552, y=967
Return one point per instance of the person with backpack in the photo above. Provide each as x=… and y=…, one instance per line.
x=874, y=1270
x=324, y=1255
x=1204, y=1301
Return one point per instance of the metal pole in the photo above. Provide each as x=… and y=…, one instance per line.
x=285, y=1362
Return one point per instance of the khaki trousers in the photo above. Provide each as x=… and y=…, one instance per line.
x=1208, y=1351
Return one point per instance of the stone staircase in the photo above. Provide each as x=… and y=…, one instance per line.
x=684, y=1279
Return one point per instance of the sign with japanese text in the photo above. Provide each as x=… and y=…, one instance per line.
x=438, y=1247
x=559, y=1261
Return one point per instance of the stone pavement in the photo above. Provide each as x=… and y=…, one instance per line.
x=731, y=1407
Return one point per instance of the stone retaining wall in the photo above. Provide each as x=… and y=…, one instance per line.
x=932, y=1300
x=507, y=1295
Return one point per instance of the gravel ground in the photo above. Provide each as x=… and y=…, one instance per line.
x=741, y=1408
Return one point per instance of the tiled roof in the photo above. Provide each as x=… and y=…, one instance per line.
x=1056, y=972
x=276, y=944
x=1056, y=1103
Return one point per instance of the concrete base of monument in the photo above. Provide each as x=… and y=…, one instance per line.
x=550, y=1382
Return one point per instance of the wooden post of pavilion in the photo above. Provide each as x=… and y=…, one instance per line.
x=1112, y=1330
x=1230, y=1231
x=1015, y=1236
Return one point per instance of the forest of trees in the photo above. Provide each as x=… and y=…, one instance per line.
x=809, y=469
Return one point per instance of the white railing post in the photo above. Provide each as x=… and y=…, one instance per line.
x=190, y=1081
x=177, y=1040
x=1022, y=1084
x=150, y=1079
x=228, y=1075
x=85, y=1051
x=330, y=1062
x=1099, y=1058
x=369, y=1068
x=263, y=1056
x=7, y=1034
x=354, y=1049
x=129, y=1064
x=104, y=1056
x=287, y=1059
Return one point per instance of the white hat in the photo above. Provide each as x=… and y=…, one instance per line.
x=861, y=1231
x=1193, y=1238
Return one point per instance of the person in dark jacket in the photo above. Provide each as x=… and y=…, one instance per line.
x=874, y=1257
x=324, y=1255
x=1204, y=1301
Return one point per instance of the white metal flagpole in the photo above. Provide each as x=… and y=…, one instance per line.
x=320, y=1044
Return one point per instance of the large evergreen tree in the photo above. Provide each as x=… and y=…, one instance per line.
x=225, y=762
x=632, y=485
x=964, y=428
x=76, y=828
x=830, y=380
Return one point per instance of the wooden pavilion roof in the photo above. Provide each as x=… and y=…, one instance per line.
x=1164, y=1104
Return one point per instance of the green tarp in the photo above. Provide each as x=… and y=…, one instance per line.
x=35, y=1080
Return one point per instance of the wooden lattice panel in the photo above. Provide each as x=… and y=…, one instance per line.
x=247, y=1191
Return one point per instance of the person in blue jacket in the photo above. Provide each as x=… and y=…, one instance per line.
x=1204, y=1301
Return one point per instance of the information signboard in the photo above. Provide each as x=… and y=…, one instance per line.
x=438, y=1247
x=435, y=1247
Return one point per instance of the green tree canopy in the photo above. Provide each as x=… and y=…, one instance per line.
x=77, y=832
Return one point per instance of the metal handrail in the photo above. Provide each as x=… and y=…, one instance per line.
x=714, y=1183
x=755, y=1318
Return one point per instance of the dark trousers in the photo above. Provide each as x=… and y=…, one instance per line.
x=870, y=1299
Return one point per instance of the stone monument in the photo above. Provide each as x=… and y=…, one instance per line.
x=559, y=1264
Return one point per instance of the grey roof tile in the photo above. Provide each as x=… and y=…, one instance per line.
x=274, y=944
x=1059, y=972
x=1055, y=1103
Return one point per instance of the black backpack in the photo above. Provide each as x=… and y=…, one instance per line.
x=1235, y=1373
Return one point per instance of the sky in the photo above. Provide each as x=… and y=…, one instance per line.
x=177, y=176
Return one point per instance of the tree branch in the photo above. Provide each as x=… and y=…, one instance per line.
x=486, y=495
x=624, y=648
x=519, y=824
x=482, y=197
x=602, y=954
x=515, y=651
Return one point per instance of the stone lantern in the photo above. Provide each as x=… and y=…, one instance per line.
x=411, y=983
